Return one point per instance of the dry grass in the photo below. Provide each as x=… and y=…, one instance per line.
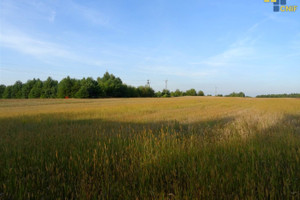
x=176, y=148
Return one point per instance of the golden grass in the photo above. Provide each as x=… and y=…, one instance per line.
x=150, y=148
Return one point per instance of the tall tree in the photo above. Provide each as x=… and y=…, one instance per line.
x=166, y=93
x=27, y=88
x=66, y=87
x=191, y=92
x=36, y=90
x=158, y=94
x=82, y=92
x=7, y=92
x=200, y=93
x=112, y=86
x=76, y=85
x=2, y=89
x=49, y=89
x=16, y=91
x=92, y=88
x=145, y=91
x=177, y=93
x=131, y=91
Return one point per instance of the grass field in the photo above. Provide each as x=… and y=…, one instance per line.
x=166, y=148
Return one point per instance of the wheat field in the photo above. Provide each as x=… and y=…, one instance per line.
x=150, y=148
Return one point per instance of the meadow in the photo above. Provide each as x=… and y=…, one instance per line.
x=150, y=148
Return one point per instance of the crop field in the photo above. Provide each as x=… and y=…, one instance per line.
x=150, y=148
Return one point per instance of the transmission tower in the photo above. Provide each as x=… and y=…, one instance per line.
x=166, y=84
x=148, y=83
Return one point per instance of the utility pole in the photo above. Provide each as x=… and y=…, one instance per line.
x=148, y=83
x=166, y=84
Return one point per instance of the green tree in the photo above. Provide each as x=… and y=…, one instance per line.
x=292, y=95
x=2, y=89
x=191, y=92
x=76, y=85
x=166, y=93
x=16, y=91
x=27, y=88
x=7, y=92
x=131, y=91
x=158, y=94
x=241, y=94
x=112, y=86
x=82, y=92
x=36, y=90
x=177, y=93
x=91, y=86
x=144, y=91
x=234, y=94
x=49, y=89
x=200, y=93
x=68, y=87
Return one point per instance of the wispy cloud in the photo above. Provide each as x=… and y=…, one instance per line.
x=28, y=45
x=41, y=49
x=229, y=57
x=256, y=25
x=239, y=51
x=242, y=50
x=47, y=10
x=93, y=16
x=176, y=71
x=32, y=10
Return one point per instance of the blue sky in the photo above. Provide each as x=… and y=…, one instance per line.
x=232, y=45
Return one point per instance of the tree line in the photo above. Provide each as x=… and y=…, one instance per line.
x=103, y=87
x=292, y=95
x=234, y=94
x=106, y=86
x=179, y=93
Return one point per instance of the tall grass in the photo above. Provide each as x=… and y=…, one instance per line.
x=183, y=148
